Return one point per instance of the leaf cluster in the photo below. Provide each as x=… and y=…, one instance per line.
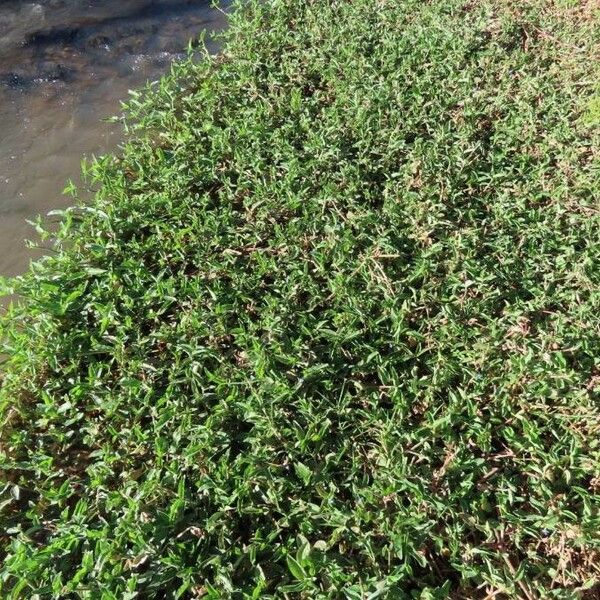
x=329, y=327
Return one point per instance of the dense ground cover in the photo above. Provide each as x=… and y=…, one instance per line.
x=330, y=326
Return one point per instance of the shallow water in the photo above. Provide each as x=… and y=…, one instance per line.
x=64, y=67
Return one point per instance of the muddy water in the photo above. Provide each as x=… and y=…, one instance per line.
x=64, y=67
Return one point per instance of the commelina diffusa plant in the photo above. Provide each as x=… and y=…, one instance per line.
x=329, y=327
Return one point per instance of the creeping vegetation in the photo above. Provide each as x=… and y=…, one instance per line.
x=330, y=326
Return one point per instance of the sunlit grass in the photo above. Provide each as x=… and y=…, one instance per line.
x=329, y=327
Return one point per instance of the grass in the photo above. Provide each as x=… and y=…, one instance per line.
x=330, y=325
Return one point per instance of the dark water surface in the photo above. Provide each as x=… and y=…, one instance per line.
x=64, y=66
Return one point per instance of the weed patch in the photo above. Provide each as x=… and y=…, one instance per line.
x=329, y=327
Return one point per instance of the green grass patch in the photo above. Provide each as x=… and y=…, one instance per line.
x=329, y=327
x=592, y=115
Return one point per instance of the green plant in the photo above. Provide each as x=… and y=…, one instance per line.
x=592, y=114
x=329, y=327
